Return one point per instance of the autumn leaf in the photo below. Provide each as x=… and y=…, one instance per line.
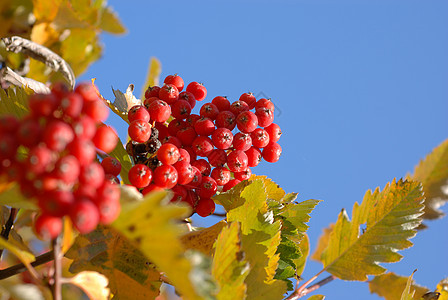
x=316, y=297
x=322, y=242
x=110, y=22
x=432, y=172
x=203, y=239
x=391, y=217
x=24, y=256
x=93, y=284
x=230, y=269
x=14, y=198
x=14, y=101
x=442, y=288
x=391, y=286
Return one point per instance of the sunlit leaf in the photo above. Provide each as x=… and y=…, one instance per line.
x=408, y=293
x=68, y=236
x=304, y=247
x=229, y=266
x=20, y=291
x=14, y=198
x=152, y=77
x=44, y=34
x=45, y=10
x=151, y=225
x=124, y=101
x=24, y=256
x=110, y=22
x=432, y=172
x=391, y=286
x=273, y=190
x=14, y=101
x=322, y=243
x=260, y=239
x=391, y=217
x=231, y=199
x=203, y=240
x=93, y=284
x=316, y=297
x=123, y=157
x=298, y=213
x=442, y=288
x=104, y=250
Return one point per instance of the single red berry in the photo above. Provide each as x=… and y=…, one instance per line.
x=198, y=90
x=159, y=111
x=84, y=127
x=271, y=153
x=97, y=110
x=169, y=93
x=246, y=121
x=264, y=103
x=217, y=158
x=274, y=132
x=188, y=97
x=225, y=119
x=111, y=178
x=203, y=166
x=48, y=227
x=85, y=190
x=193, y=155
x=221, y=175
x=253, y=156
x=243, y=175
x=184, y=171
x=108, y=190
x=242, y=141
x=197, y=177
x=138, y=112
x=140, y=176
x=111, y=165
x=148, y=101
x=168, y=154
x=165, y=176
x=139, y=131
x=56, y=203
x=186, y=135
x=207, y=188
x=180, y=194
x=105, y=138
x=92, y=175
x=192, y=198
x=176, y=125
x=108, y=210
x=40, y=158
x=71, y=105
x=84, y=150
x=30, y=132
x=209, y=110
x=249, y=98
x=59, y=89
x=84, y=215
x=205, y=207
x=181, y=109
x=175, y=80
x=184, y=155
x=67, y=169
x=260, y=138
x=265, y=116
x=238, y=107
x=237, y=161
x=87, y=91
x=222, y=138
x=172, y=140
x=192, y=119
x=163, y=130
x=42, y=105
x=222, y=103
x=202, y=145
x=230, y=185
x=204, y=126
x=152, y=91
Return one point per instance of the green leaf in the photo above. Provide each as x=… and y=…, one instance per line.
x=24, y=256
x=229, y=266
x=391, y=286
x=110, y=22
x=231, y=199
x=408, y=294
x=151, y=225
x=304, y=247
x=104, y=250
x=14, y=198
x=432, y=172
x=273, y=190
x=123, y=157
x=298, y=214
x=391, y=217
x=260, y=240
x=152, y=78
x=14, y=101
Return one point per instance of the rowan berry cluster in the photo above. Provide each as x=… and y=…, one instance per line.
x=51, y=154
x=197, y=155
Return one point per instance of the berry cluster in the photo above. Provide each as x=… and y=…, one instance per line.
x=196, y=155
x=51, y=154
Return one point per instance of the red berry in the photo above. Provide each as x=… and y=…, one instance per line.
x=209, y=110
x=237, y=161
x=202, y=145
x=148, y=101
x=193, y=155
x=84, y=127
x=163, y=130
x=84, y=215
x=230, y=185
x=140, y=175
x=186, y=135
x=192, y=119
x=84, y=150
x=165, y=176
x=204, y=126
x=260, y=138
x=246, y=121
x=48, y=227
x=243, y=175
x=175, y=80
x=226, y=119
x=168, y=154
x=221, y=175
x=265, y=116
x=97, y=110
x=217, y=158
x=108, y=210
x=138, y=112
x=139, y=131
x=29, y=132
x=67, y=169
x=152, y=91
x=198, y=90
x=264, y=103
x=111, y=165
x=169, y=93
x=87, y=91
x=197, y=177
x=108, y=190
x=8, y=146
x=249, y=98
x=203, y=166
x=180, y=194
x=92, y=175
x=271, y=153
x=40, y=159
x=181, y=109
x=184, y=171
x=242, y=141
x=159, y=111
x=274, y=132
x=105, y=138
x=42, y=104
x=151, y=188
x=253, y=156
x=238, y=107
x=205, y=207
x=56, y=203
x=71, y=105
x=59, y=89
x=207, y=188
x=176, y=125
x=188, y=97
x=222, y=103
x=222, y=138
x=184, y=155
x=172, y=140
x=8, y=123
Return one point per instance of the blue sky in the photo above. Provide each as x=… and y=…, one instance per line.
x=360, y=86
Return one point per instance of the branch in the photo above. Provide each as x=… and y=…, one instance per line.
x=19, y=268
x=8, y=226
x=13, y=78
x=303, y=291
x=219, y=214
x=17, y=44
x=56, y=283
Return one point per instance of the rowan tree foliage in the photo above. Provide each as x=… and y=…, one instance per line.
x=135, y=246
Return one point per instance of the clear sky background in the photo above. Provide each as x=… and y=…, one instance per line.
x=361, y=89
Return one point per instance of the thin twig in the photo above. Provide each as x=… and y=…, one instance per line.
x=19, y=268
x=318, y=285
x=298, y=293
x=8, y=226
x=219, y=214
x=57, y=275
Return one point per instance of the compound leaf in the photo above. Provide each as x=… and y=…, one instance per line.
x=432, y=172
x=391, y=286
x=391, y=217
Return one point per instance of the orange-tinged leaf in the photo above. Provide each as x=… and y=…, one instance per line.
x=152, y=77
x=93, y=284
x=442, y=288
x=203, y=240
x=432, y=172
x=14, y=198
x=316, y=297
x=68, y=237
x=322, y=243
x=44, y=34
x=45, y=10
x=391, y=286
x=391, y=217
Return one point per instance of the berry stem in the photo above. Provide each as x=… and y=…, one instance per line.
x=303, y=290
x=57, y=276
x=8, y=226
x=19, y=268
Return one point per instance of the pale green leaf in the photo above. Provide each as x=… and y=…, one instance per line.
x=24, y=256
x=152, y=77
x=273, y=190
x=14, y=198
x=391, y=217
x=229, y=266
x=391, y=286
x=14, y=101
x=316, y=297
x=123, y=157
x=432, y=172
x=298, y=213
x=304, y=247
x=151, y=225
x=408, y=294
x=110, y=22
x=129, y=272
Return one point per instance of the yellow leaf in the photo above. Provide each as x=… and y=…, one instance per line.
x=432, y=172
x=14, y=198
x=304, y=246
x=229, y=266
x=273, y=190
x=442, y=288
x=391, y=217
x=391, y=286
x=68, y=237
x=408, y=294
x=14, y=101
x=104, y=250
x=316, y=297
x=24, y=256
x=152, y=78
x=322, y=243
x=44, y=34
x=203, y=239
x=110, y=22
x=45, y=10
x=93, y=284
x=123, y=157
x=151, y=226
